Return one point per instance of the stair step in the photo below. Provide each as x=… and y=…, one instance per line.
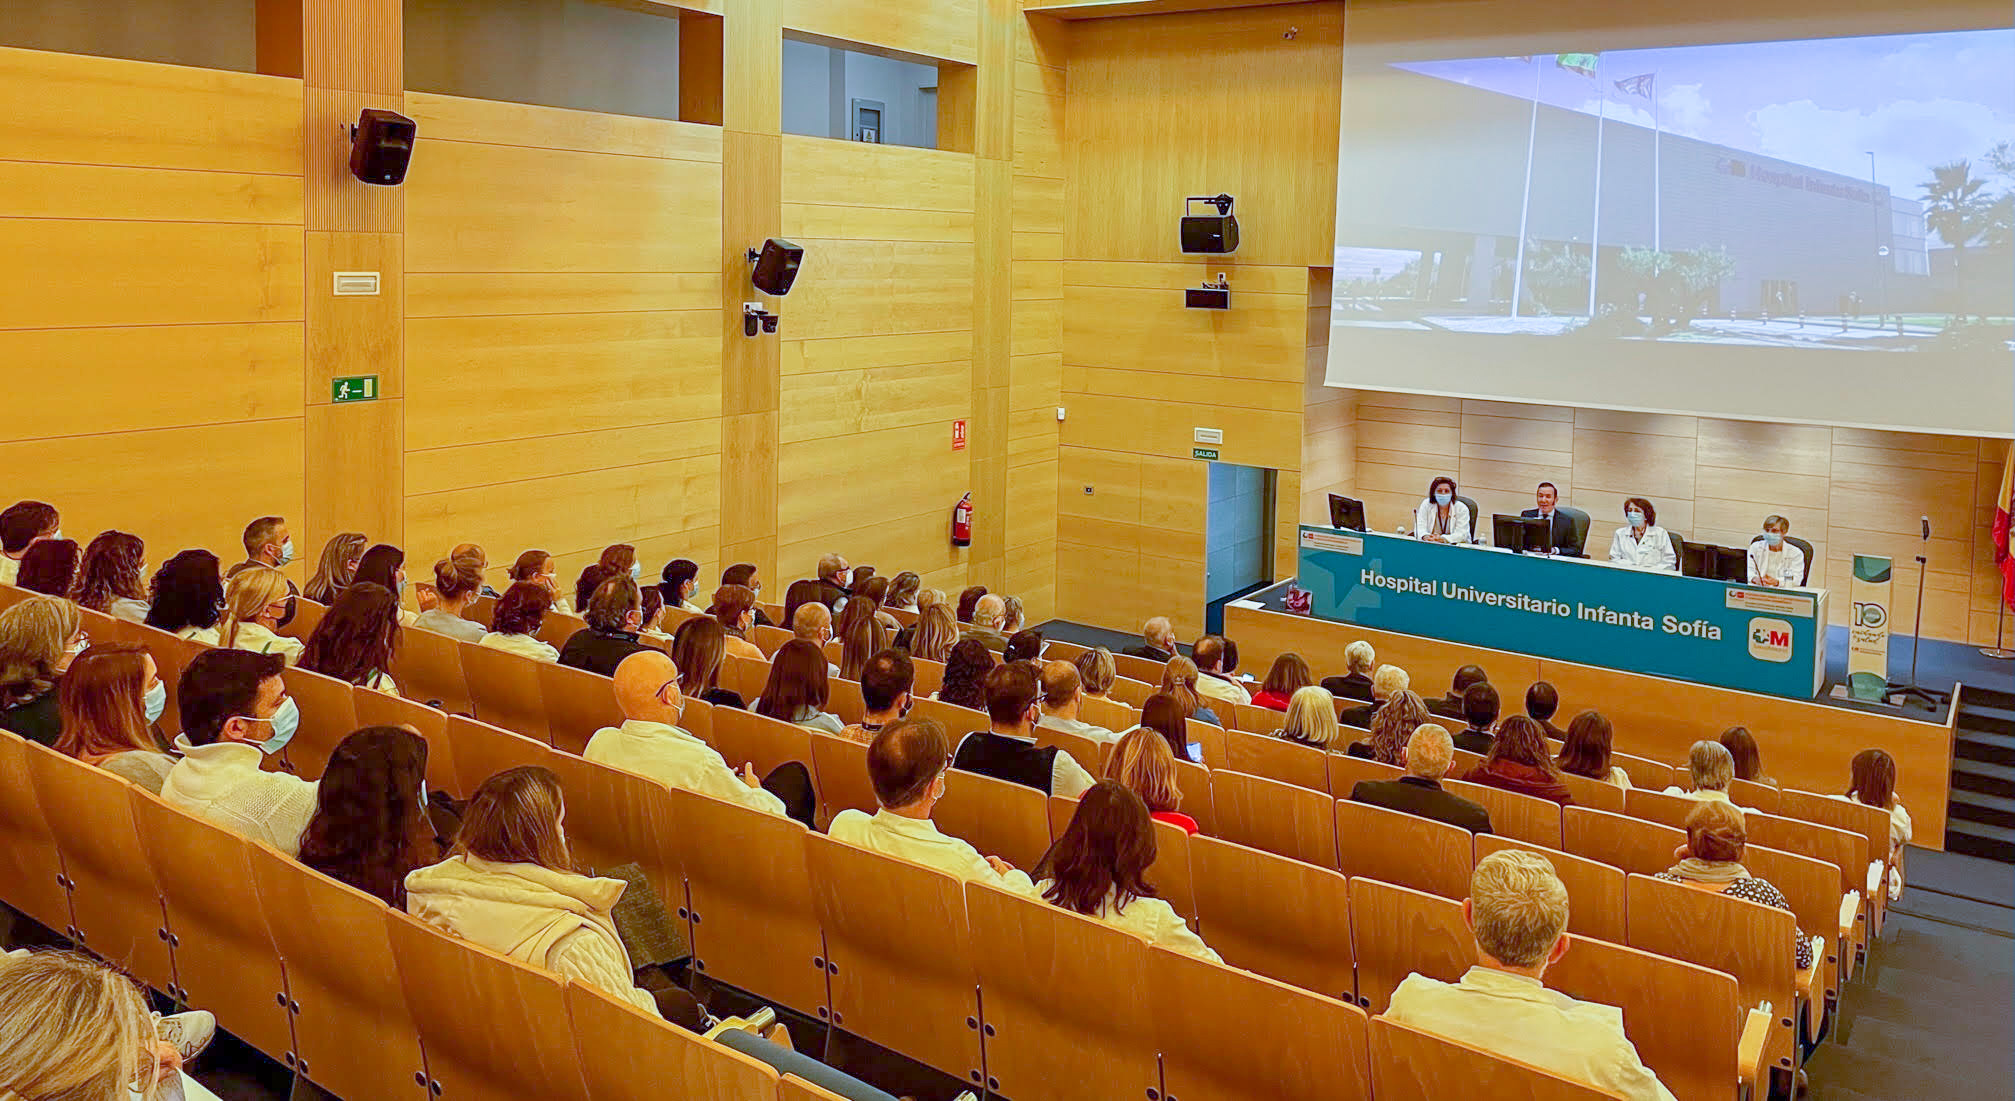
x=1958, y=840
x=1995, y=749
x=1988, y=697
x=1965, y=778
x=1847, y=1064
x=1988, y=810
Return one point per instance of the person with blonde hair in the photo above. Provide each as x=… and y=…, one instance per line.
x=1391, y=725
x=935, y=633
x=1179, y=680
x=111, y=697
x=1517, y=911
x=1311, y=719
x=1711, y=769
x=458, y=581
x=1387, y=682
x=1095, y=672
x=511, y=885
x=39, y=637
x=1144, y=762
x=73, y=1029
x=337, y=566
x=254, y=606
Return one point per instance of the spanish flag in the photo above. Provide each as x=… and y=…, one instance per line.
x=2004, y=505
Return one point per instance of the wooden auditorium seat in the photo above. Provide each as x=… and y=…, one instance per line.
x=1276, y=758
x=1656, y=806
x=1525, y=817
x=117, y=905
x=31, y=866
x=744, y=737
x=504, y=690
x=1275, y=817
x=1403, y=849
x=1236, y=1036
x=1346, y=772
x=1594, y=794
x=1620, y=841
x=428, y=666
x=1595, y=891
x=626, y=1054
x=841, y=764
x=1684, y=1019
x=578, y=703
x=328, y=715
x=480, y=751
x=1410, y=1065
x=380, y=709
x=1396, y=932
x=1285, y=919
x=997, y=818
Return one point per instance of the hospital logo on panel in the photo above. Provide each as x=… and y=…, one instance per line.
x=1769, y=639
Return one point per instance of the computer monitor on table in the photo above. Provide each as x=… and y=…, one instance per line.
x=1725, y=564
x=1346, y=512
x=1523, y=534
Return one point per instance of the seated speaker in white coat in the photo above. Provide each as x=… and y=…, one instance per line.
x=1774, y=560
x=1640, y=542
x=1441, y=518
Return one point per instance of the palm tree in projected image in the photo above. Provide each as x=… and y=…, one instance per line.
x=1959, y=211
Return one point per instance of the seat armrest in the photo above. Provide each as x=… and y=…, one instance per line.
x=1751, y=1067
x=1876, y=876
x=1850, y=910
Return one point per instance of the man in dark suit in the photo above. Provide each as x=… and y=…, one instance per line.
x=1388, y=681
x=1157, y=640
x=1358, y=659
x=1560, y=529
x=1419, y=792
x=1450, y=706
x=1542, y=702
x=1479, y=710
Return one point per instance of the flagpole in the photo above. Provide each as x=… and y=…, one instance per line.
x=1525, y=204
x=1657, y=191
x=1595, y=226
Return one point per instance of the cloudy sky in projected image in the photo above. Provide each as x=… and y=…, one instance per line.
x=1916, y=100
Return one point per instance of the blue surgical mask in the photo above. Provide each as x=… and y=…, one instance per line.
x=1774, y=539
x=636, y=571
x=156, y=701
x=285, y=722
x=1442, y=497
x=287, y=551
x=1635, y=517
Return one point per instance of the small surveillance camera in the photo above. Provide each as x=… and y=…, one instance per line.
x=752, y=318
x=770, y=322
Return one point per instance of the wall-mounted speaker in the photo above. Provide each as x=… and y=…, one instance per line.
x=381, y=146
x=1209, y=233
x=776, y=266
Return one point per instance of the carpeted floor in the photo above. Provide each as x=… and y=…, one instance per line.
x=1933, y=1015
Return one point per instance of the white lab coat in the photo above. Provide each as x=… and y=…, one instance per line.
x=1426, y=515
x=1786, y=564
x=1652, y=552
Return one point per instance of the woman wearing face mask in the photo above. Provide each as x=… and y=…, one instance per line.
x=1641, y=542
x=112, y=577
x=1774, y=560
x=39, y=638
x=111, y=698
x=539, y=567
x=341, y=556
x=187, y=597
x=385, y=565
x=1441, y=518
x=253, y=607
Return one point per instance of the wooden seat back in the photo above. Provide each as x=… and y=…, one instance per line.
x=1131, y=692
x=1089, y=753
x=480, y=751
x=328, y=715
x=1645, y=772
x=1748, y=793
x=225, y=957
x=930, y=676
x=335, y=948
x=1681, y=1017
x=957, y=721
x=31, y=865
x=1325, y=1054
x=491, y=1026
x=745, y=677
x=841, y=765
x=1594, y=794
x=1632, y=844
x=1844, y=849
x=375, y=708
x=1396, y=932
x=1256, y=720
x=1063, y=999
x=1114, y=715
x=744, y=737
x=1403, y=849
x=1656, y=806
x=898, y=955
x=1274, y=817
x=1143, y=670
x=557, y=627
x=1750, y=941
x=428, y=666
x=504, y=690
x=996, y=817
x=1594, y=889
x=627, y=1054
x=1283, y=918
x=116, y=902
x=757, y=883
x=618, y=817
x=770, y=639
x=307, y=615
x=578, y=703
x=1525, y=817
x=1346, y=772
x=1304, y=766
x=1410, y=1065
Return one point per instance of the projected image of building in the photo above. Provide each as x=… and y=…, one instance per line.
x=1697, y=241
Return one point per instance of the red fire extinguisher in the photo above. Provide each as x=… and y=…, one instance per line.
x=962, y=522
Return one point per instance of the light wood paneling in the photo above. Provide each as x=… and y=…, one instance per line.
x=362, y=445
x=223, y=374
x=252, y=273
x=514, y=293
x=113, y=192
x=941, y=28
x=360, y=335
x=845, y=173
x=868, y=288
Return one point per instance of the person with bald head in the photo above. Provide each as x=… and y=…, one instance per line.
x=813, y=622
x=988, y=614
x=1157, y=640
x=906, y=763
x=1061, y=696
x=651, y=744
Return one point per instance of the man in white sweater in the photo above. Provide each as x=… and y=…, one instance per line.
x=1517, y=909
x=235, y=711
x=906, y=764
x=650, y=743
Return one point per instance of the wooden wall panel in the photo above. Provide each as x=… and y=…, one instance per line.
x=1846, y=491
x=151, y=314
x=947, y=29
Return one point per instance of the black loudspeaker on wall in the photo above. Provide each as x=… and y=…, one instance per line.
x=776, y=266
x=1209, y=233
x=381, y=146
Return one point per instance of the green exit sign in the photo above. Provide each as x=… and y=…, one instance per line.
x=354, y=388
x=1203, y=453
